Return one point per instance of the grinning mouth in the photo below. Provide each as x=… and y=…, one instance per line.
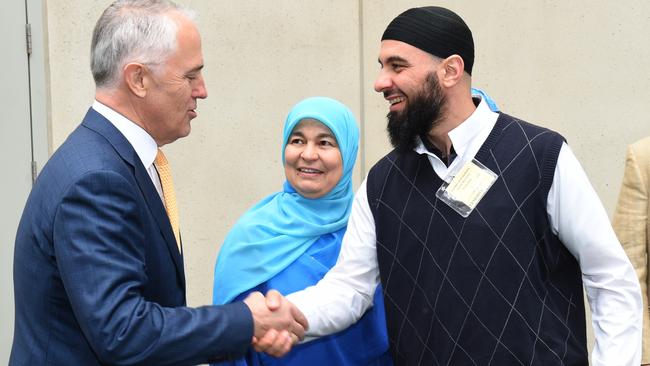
x=309, y=170
x=396, y=100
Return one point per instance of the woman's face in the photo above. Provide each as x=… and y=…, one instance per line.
x=312, y=159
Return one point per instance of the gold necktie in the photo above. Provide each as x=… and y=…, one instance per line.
x=165, y=174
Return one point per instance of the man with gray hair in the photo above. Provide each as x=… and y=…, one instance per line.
x=98, y=263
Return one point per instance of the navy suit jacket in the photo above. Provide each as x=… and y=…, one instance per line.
x=98, y=278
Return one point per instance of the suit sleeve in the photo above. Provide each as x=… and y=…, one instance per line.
x=99, y=244
x=631, y=225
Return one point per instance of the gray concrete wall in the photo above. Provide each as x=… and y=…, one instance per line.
x=578, y=67
x=261, y=58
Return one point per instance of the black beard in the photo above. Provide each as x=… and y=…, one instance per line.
x=420, y=116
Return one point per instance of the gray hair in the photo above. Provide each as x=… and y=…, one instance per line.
x=133, y=31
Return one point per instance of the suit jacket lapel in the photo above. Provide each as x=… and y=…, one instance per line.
x=101, y=125
x=160, y=215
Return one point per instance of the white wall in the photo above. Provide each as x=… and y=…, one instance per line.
x=578, y=67
x=261, y=58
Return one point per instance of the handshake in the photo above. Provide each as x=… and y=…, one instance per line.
x=278, y=323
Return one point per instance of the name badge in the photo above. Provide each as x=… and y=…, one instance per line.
x=467, y=187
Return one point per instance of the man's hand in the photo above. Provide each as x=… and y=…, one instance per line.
x=278, y=323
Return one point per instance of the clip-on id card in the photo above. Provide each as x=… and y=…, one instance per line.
x=467, y=187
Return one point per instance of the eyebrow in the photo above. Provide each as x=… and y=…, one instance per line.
x=393, y=59
x=320, y=135
x=198, y=68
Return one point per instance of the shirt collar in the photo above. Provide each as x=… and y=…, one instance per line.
x=463, y=134
x=143, y=144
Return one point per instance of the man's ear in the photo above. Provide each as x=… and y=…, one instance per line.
x=453, y=68
x=135, y=75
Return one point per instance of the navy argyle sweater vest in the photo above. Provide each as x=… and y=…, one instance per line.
x=495, y=288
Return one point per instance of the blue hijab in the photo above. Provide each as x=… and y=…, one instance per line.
x=280, y=228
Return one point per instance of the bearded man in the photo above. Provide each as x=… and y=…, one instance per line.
x=482, y=228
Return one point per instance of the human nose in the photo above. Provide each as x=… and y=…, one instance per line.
x=200, y=91
x=383, y=81
x=309, y=152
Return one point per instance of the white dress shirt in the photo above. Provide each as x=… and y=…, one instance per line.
x=577, y=217
x=143, y=144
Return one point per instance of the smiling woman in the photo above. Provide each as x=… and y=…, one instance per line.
x=312, y=159
x=290, y=239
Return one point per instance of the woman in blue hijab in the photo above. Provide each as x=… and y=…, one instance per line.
x=290, y=239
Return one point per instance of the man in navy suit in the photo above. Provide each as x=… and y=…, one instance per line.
x=98, y=272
